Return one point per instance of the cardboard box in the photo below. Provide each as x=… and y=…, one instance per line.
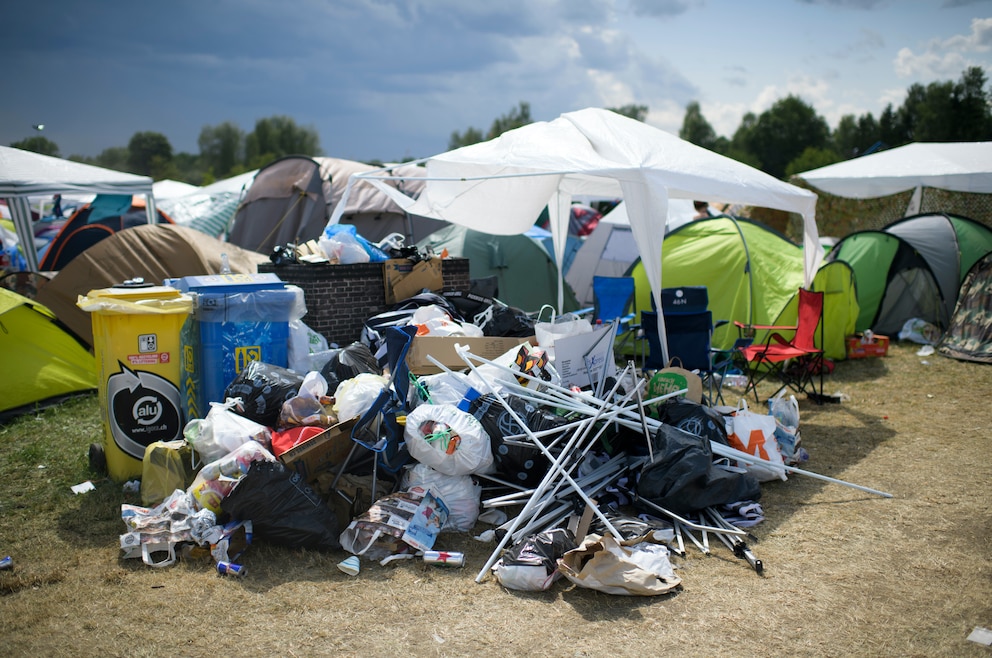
x=442, y=348
x=403, y=278
x=859, y=348
x=322, y=452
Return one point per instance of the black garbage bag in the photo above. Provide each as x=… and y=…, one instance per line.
x=282, y=508
x=683, y=477
x=347, y=363
x=524, y=464
x=694, y=418
x=509, y=321
x=532, y=563
x=263, y=388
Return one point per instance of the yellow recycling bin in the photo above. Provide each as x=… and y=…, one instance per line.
x=136, y=344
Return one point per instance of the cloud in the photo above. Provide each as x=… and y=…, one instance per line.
x=862, y=49
x=846, y=4
x=951, y=4
x=657, y=8
x=947, y=57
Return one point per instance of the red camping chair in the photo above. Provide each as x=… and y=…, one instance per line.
x=794, y=362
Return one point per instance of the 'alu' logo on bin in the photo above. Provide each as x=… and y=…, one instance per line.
x=144, y=408
x=246, y=354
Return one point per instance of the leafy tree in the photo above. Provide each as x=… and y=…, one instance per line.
x=783, y=132
x=38, y=144
x=696, y=129
x=113, y=158
x=973, y=120
x=470, y=136
x=278, y=136
x=739, y=148
x=515, y=118
x=890, y=131
x=947, y=111
x=148, y=151
x=812, y=158
x=855, y=135
x=222, y=148
x=636, y=112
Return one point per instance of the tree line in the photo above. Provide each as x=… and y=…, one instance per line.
x=788, y=138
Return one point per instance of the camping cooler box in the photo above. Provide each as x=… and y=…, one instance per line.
x=236, y=319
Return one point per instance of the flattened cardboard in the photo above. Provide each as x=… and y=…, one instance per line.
x=327, y=449
x=402, y=278
x=442, y=348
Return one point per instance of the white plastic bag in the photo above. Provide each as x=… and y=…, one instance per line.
x=435, y=321
x=223, y=430
x=755, y=434
x=460, y=493
x=920, y=331
x=442, y=388
x=343, y=248
x=562, y=326
x=304, y=342
x=448, y=439
x=215, y=480
x=355, y=396
x=785, y=411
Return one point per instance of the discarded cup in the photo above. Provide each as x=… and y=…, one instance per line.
x=350, y=565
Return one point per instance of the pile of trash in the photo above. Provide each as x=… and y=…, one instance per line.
x=602, y=483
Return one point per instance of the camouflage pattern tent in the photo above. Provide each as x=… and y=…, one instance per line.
x=969, y=336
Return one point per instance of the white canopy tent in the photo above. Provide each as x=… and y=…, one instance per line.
x=954, y=166
x=592, y=152
x=25, y=174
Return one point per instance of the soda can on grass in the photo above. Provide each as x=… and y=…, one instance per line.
x=444, y=558
x=7, y=564
x=230, y=569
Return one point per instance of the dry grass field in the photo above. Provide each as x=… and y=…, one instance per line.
x=846, y=573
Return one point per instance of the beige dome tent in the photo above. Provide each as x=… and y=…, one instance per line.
x=153, y=252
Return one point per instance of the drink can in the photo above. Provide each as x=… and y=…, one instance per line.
x=7, y=563
x=445, y=558
x=229, y=568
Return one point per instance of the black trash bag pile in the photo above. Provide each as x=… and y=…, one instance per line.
x=283, y=509
x=684, y=479
x=532, y=563
x=493, y=316
x=694, y=418
x=263, y=388
x=347, y=363
x=524, y=465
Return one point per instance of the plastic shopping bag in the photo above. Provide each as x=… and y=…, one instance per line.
x=755, y=434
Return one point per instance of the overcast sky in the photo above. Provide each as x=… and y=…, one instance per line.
x=392, y=79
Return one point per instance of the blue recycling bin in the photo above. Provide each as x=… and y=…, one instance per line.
x=236, y=319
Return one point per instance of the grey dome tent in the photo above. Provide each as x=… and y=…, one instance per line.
x=912, y=268
x=526, y=275
x=285, y=204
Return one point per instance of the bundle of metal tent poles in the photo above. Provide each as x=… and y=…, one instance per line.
x=553, y=499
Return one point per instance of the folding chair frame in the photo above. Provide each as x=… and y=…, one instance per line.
x=795, y=363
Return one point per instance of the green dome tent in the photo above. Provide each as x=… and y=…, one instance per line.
x=752, y=275
x=527, y=277
x=43, y=362
x=912, y=268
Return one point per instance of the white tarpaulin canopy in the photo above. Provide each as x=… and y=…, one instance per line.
x=956, y=166
x=24, y=174
x=501, y=186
